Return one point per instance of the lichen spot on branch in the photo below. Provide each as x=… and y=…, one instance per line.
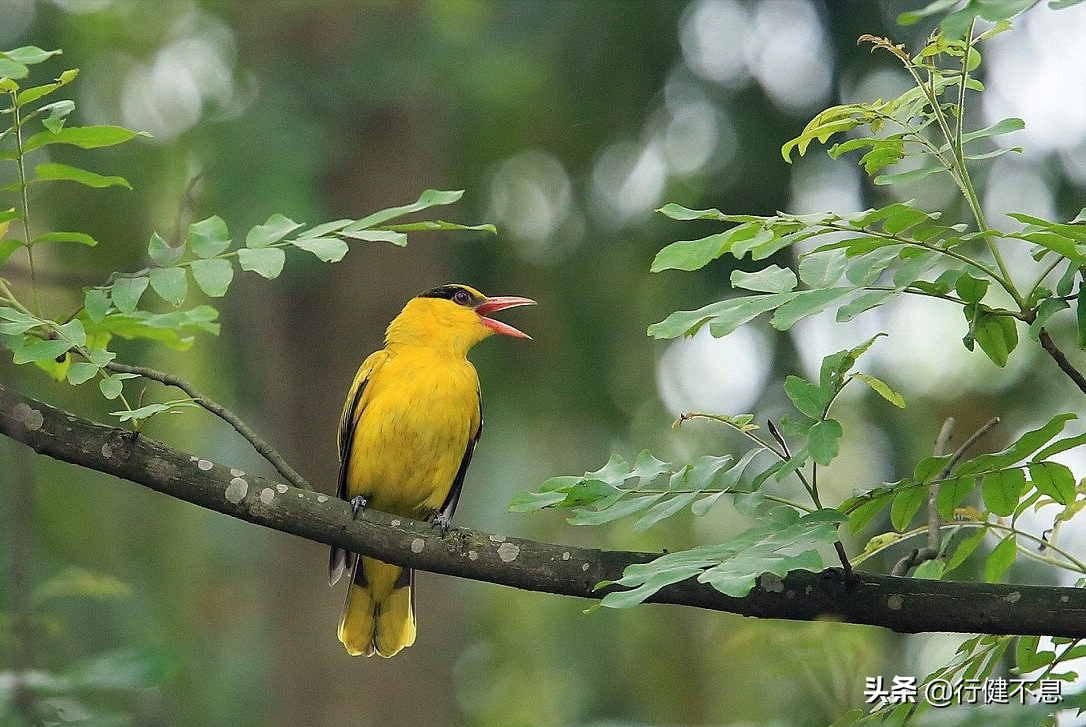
x=236, y=490
x=508, y=552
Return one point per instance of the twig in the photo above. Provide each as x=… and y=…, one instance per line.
x=918, y=556
x=1054, y=351
x=262, y=447
x=185, y=206
x=946, y=433
x=966, y=446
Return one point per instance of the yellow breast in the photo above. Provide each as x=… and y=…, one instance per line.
x=421, y=412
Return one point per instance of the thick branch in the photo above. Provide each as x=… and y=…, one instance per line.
x=902, y=604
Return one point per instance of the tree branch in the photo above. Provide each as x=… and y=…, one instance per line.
x=1061, y=360
x=264, y=449
x=903, y=604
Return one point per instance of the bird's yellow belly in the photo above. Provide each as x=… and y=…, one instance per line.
x=411, y=438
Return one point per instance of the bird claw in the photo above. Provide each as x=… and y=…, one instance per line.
x=442, y=522
x=358, y=504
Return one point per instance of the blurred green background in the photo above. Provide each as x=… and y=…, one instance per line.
x=567, y=123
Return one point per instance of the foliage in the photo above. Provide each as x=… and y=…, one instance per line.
x=853, y=263
x=161, y=303
x=76, y=346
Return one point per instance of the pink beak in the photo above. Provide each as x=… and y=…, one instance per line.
x=491, y=305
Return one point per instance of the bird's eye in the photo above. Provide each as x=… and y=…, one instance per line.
x=462, y=297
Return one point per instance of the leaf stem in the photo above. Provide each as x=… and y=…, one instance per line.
x=17, y=128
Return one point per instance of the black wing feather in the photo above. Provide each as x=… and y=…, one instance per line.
x=451, y=500
x=339, y=559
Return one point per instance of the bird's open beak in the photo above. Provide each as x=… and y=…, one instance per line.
x=492, y=305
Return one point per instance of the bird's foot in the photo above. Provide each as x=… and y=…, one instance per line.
x=358, y=504
x=442, y=522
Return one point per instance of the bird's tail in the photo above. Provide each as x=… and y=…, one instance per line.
x=379, y=615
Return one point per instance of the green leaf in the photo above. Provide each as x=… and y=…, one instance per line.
x=12, y=69
x=328, y=249
x=1005, y=126
x=30, y=54
x=931, y=570
x=85, y=137
x=42, y=351
x=126, y=292
x=773, y=279
x=997, y=336
x=7, y=247
x=527, y=501
x=665, y=509
x=808, y=398
x=971, y=289
x=275, y=229
x=96, y=303
x=1053, y=479
x=864, y=513
x=213, y=275
x=914, y=16
x=882, y=389
x=824, y=441
x=58, y=112
x=647, y=468
x=965, y=549
x=615, y=472
x=1000, y=559
x=724, y=317
x=678, y=212
x=951, y=493
x=63, y=172
x=34, y=93
x=865, y=302
x=1048, y=308
x=80, y=238
x=162, y=253
x=696, y=254
x=73, y=331
x=427, y=225
x=906, y=503
x=111, y=384
x=780, y=542
x=823, y=269
x=806, y=303
x=834, y=120
x=429, y=198
x=1027, y=656
x=209, y=237
x=323, y=229
x=912, y=175
x=267, y=261
x=1002, y=490
x=627, y=506
x=171, y=284
x=1024, y=446
x=396, y=238
x=80, y=372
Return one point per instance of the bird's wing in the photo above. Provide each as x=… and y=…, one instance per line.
x=352, y=409
x=449, y=506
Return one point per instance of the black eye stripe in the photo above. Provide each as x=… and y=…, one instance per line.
x=455, y=293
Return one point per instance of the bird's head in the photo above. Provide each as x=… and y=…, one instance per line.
x=452, y=317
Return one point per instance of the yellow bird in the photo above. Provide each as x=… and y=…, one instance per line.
x=410, y=424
